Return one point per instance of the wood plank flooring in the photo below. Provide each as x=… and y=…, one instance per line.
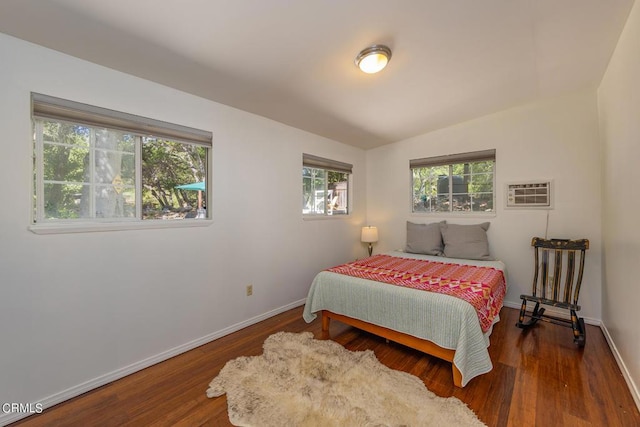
x=540, y=378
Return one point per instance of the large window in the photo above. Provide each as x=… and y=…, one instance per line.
x=455, y=183
x=94, y=164
x=325, y=186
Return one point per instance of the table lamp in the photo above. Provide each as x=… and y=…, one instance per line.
x=369, y=235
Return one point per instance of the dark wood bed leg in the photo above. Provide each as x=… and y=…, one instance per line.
x=326, y=320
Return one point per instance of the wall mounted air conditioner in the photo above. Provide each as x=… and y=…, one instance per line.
x=529, y=195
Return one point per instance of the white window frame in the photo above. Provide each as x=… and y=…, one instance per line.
x=449, y=161
x=48, y=108
x=327, y=165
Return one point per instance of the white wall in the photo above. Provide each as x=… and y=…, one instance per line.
x=77, y=308
x=619, y=105
x=555, y=139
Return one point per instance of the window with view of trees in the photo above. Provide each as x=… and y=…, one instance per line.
x=325, y=186
x=455, y=183
x=94, y=164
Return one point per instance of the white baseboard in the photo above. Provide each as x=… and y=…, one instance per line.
x=54, y=399
x=633, y=388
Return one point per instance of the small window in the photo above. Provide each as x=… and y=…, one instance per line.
x=325, y=186
x=455, y=183
x=98, y=165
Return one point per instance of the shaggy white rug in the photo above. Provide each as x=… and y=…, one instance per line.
x=301, y=381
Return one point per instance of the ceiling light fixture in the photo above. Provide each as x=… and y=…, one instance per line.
x=373, y=59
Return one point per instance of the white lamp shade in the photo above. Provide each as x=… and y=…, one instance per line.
x=369, y=234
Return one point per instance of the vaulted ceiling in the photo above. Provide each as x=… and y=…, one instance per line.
x=293, y=61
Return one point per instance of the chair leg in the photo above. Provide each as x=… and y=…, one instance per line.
x=523, y=309
x=579, y=330
x=535, y=315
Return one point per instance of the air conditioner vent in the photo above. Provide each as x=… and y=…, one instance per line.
x=529, y=195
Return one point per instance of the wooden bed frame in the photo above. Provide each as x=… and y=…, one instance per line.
x=419, y=344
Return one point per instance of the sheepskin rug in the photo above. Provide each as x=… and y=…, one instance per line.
x=301, y=381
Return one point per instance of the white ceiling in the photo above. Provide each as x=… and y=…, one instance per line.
x=292, y=60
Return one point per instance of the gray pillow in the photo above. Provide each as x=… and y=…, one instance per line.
x=466, y=241
x=424, y=238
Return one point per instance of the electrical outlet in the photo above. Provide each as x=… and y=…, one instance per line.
x=249, y=290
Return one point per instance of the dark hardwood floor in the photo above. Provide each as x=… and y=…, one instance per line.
x=540, y=378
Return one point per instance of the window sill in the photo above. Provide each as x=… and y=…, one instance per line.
x=324, y=217
x=92, y=227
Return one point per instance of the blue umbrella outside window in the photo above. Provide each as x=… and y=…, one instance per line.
x=200, y=187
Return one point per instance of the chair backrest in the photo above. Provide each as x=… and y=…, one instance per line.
x=557, y=275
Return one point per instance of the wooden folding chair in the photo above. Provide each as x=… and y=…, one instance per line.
x=556, y=282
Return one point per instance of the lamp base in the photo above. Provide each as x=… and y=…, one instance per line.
x=370, y=249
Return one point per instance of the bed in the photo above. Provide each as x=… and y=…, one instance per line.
x=434, y=322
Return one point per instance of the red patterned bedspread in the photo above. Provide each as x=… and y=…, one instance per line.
x=483, y=287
